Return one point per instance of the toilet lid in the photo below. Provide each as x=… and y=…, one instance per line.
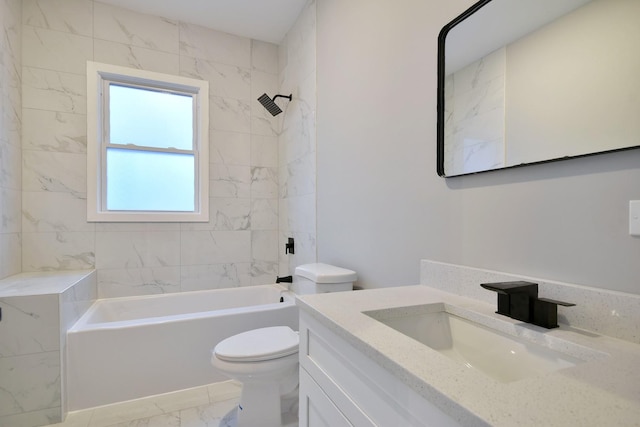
x=258, y=344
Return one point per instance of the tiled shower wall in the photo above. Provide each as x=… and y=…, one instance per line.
x=297, y=142
x=10, y=124
x=239, y=244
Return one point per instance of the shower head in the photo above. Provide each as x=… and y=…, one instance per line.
x=271, y=106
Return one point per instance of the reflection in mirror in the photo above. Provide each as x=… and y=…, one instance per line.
x=537, y=80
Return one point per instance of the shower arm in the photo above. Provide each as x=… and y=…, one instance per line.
x=289, y=97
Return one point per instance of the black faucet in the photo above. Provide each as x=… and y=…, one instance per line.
x=285, y=279
x=519, y=300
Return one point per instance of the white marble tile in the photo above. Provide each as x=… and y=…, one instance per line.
x=137, y=29
x=298, y=132
x=11, y=166
x=264, y=245
x=148, y=409
x=226, y=81
x=264, y=214
x=215, y=247
x=57, y=172
x=230, y=214
x=54, y=131
x=264, y=57
x=214, y=276
x=54, y=90
x=71, y=16
x=34, y=418
x=55, y=50
x=75, y=300
x=208, y=415
x=264, y=272
x=224, y=214
x=30, y=324
x=131, y=56
x=120, y=250
x=138, y=281
x=58, y=251
x=229, y=114
x=301, y=213
x=298, y=177
x=264, y=182
x=30, y=382
x=10, y=210
x=52, y=211
x=229, y=181
x=11, y=38
x=230, y=148
x=11, y=258
x=264, y=151
x=201, y=42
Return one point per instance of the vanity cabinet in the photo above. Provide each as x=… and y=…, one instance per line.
x=341, y=386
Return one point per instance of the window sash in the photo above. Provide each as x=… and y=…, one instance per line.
x=98, y=78
x=106, y=140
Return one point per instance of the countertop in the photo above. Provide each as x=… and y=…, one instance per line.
x=604, y=390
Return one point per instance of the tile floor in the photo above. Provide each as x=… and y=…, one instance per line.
x=206, y=406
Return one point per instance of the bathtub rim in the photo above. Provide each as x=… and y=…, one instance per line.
x=82, y=324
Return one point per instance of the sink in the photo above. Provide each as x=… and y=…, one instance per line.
x=503, y=357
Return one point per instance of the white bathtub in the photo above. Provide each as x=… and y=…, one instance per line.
x=127, y=348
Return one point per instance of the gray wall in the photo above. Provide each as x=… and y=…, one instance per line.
x=381, y=205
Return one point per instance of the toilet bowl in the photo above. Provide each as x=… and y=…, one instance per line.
x=265, y=360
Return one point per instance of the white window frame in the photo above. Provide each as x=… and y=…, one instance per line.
x=98, y=78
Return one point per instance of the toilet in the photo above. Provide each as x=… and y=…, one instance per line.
x=265, y=360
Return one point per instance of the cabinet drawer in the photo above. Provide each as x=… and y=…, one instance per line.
x=316, y=409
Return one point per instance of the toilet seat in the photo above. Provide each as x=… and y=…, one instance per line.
x=258, y=345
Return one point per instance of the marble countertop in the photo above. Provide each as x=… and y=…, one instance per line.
x=604, y=390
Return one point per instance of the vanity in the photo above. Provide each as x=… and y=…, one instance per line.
x=366, y=359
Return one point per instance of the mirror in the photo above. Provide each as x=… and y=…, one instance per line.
x=531, y=81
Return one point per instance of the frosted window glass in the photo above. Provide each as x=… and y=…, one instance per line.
x=150, y=181
x=150, y=118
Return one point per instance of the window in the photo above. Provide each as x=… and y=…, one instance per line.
x=147, y=146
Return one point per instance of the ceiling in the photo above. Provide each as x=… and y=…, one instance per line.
x=266, y=20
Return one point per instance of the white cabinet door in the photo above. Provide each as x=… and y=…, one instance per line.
x=316, y=409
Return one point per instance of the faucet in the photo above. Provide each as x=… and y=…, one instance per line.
x=519, y=300
x=284, y=279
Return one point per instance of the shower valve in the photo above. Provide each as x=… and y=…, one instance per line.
x=289, y=246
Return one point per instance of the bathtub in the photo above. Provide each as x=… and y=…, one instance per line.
x=132, y=347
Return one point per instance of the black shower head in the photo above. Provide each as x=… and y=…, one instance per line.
x=271, y=106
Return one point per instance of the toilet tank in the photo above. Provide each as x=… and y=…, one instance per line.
x=320, y=278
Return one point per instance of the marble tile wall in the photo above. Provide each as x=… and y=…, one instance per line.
x=37, y=309
x=10, y=138
x=297, y=142
x=474, y=111
x=239, y=244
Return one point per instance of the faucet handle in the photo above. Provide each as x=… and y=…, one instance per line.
x=556, y=302
x=545, y=312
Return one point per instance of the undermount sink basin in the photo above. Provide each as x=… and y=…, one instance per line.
x=503, y=357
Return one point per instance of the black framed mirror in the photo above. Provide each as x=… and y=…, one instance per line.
x=522, y=82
